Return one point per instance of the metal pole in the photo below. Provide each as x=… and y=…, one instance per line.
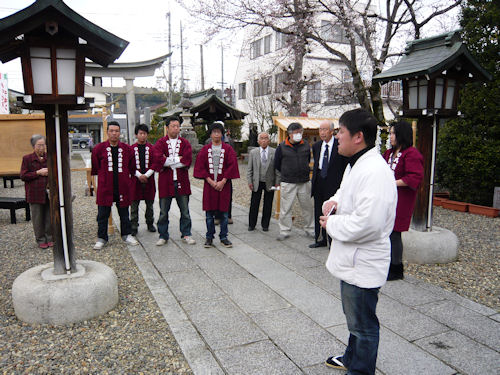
x=202, y=73
x=182, y=62
x=169, y=65
x=222, y=69
x=433, y=165
x=61, y=192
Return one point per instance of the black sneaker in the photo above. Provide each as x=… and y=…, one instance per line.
x=335, y=362
x=151, y=228
x=134, y=232
x=226, y=242
x=209, y=242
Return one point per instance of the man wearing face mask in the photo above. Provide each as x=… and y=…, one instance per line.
x=292, y=159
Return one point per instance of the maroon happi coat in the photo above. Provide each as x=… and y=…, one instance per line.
x=34, y=185
x=213, y=199
x=142, y=191
x=166, y=177
x=407, y=165
x=102, y=166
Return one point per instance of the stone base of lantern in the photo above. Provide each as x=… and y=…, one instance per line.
x=40, y=296
x=438, y=246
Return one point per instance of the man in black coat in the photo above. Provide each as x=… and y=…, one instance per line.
x=328, y=170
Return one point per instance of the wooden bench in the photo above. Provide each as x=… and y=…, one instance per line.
x=10, y=178
x=13, y=204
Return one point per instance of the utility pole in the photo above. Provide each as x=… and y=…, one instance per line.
x=182, y=62
x=222, y=68
x=202, y=73
x=169, y=64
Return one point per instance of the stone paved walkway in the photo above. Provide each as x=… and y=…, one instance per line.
x=269, y=307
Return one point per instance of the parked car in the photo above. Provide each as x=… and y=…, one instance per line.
x=80, y=140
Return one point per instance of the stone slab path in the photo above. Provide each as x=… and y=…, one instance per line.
x=270, y=307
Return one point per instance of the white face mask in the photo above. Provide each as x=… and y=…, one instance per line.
x=297, y=137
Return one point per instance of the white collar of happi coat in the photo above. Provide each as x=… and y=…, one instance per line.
x=211, y=162
x=173, y=151
x=146, y=157
x=394, y=162
x=110, y=159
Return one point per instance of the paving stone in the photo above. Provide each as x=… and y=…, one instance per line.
x=222, y=324
x=194, y=349
x=168, y=305
x=251, y=295
x=321, y=277
x=322, y=369
x=197, y=250
x=468, y=322
x=294, y=260
x=261, y=241
x=221, y=267
x=405, y=321
x=320, y=254
x=341, y=333
x=495, y=317
x=259, y=358
x=302, y=340
x=192, y=285
x=398, y=356
x=408, y=293
x=466, y=355
x=151, y=276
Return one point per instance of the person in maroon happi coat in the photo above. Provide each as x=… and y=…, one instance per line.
x=143, y=186
x=217, y=164
x=113, y=162
x=408, y=166
x=173, y=157
x=34, y=173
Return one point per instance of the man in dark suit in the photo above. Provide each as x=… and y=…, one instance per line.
x=328, y=170
x=261, y=177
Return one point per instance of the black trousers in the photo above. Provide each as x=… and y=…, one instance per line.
x=396, y=248
x=254, y=206
x=321, y=194
x=103, y=213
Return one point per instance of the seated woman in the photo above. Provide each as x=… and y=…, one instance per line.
x=408, y=166
x=34, y=173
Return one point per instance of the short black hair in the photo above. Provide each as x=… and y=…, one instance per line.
x=403, y=133
x=142, y=127
x=360, y=120
x=171, y=119
x=214, y=126
x=294, y=126
x=113, y=123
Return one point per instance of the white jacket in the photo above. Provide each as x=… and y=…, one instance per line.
x=366, y=208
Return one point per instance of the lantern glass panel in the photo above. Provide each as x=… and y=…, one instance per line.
x=450, y=92
x=438, y=98
x=66, y=69
x=422, y=94
x=413, y=94
x=41, y=70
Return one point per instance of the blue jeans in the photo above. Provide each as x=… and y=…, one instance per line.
x=185, y=220
x=359, y=305
x=210, y=217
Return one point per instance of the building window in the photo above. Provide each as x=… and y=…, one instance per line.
x=267, y=86
x=314, y=92
x=279, y=82
x=255, y=49
x=242, y=91
x=331, y=32
x=281, y=40
x=391, y=90
x=257, y=87
x=267, y=44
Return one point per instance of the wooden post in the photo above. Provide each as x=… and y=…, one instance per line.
x=55, y=213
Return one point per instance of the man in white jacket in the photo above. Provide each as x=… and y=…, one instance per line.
x=364, y=209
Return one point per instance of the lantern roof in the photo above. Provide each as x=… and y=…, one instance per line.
x=100, y=45
x=432, y=56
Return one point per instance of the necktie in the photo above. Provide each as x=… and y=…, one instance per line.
x=264, y=157
x=324, y=167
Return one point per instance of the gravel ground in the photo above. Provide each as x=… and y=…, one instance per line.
x=475, y=275
x=132, y=338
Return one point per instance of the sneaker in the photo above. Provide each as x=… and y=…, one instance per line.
x=161, y=242
x=230, y=221
x=43, y=246
x=209, y=242
x=188, y=240
x=100, y=244
x=226, y=243
x=335, y=362
x=133, y=232
x=282, y=237
x=151, y=228
x=130, y=240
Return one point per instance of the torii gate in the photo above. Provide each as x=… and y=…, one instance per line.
x=128, y=71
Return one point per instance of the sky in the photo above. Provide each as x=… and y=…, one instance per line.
x=144, y=25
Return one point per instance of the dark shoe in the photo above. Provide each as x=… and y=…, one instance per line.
x=230, y=221
x=317, y=244
x=151, y=228
x=133, y=232
x=265, y=229
x=251, y=229
x=226, y=242
x=396, y=272
x=209, y=243
x=335, y=362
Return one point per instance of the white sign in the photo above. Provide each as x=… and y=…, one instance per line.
x=4, y=94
